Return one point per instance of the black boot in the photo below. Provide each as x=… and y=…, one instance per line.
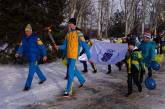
x=85, y=67
x=129, y=82
x=41, y=82
x=149, y=72
x=109, y=72
x=120, y=68
x=128, y=94
x=94, y=68
x=140, y=88
x=94, y=71
x=109, y=69
x=80, y=86
x=119, y=65
x=26, y=89
x=85, y=71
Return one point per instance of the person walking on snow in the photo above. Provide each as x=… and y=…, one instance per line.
x=148, y=51
x=89, y=42
x=73, y=42
x=133, y=60
x=32, y=47
x=119, y=64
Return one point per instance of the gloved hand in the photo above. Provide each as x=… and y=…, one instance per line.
x=55, y=46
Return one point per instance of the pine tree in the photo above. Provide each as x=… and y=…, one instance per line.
x=15, y=14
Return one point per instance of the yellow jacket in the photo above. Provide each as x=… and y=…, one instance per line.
x=73, y=41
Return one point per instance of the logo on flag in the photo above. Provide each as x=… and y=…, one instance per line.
x=107, y=55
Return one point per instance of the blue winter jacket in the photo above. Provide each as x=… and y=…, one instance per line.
x=148, y=51
x=32, y=48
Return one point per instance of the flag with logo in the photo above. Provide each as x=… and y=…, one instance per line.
x=108, y=53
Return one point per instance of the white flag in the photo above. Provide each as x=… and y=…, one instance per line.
x=108, y=53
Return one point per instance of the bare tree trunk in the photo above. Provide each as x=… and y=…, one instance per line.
x=130, y=15
x=99, y=20
x=126, y=28
x=157, y=11
x=107, y=13
x=73, y=13
x=72, y=7
x=104, y=17
x=144, y=3
x=126, y=18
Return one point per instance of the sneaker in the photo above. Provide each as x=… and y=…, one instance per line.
x=41, y=82
x=80, y=86
x=66, y=94
x=26, y=89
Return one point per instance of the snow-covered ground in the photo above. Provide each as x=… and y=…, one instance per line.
x=101, y=91
x=13, y=79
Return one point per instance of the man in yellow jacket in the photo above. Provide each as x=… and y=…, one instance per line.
x=73, y=42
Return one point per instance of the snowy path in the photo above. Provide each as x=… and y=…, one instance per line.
x=100, y=89
x=13, y=79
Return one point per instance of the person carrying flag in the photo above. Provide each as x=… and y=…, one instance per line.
x=89, y=42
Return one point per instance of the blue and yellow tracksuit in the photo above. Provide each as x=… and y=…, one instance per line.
x=148, y=53
x=73, y=42
x=32, y=48
x=134, y=69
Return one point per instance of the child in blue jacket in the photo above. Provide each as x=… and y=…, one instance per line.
x=148, y=51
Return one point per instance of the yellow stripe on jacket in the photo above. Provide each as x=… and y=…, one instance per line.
x=39, y=42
